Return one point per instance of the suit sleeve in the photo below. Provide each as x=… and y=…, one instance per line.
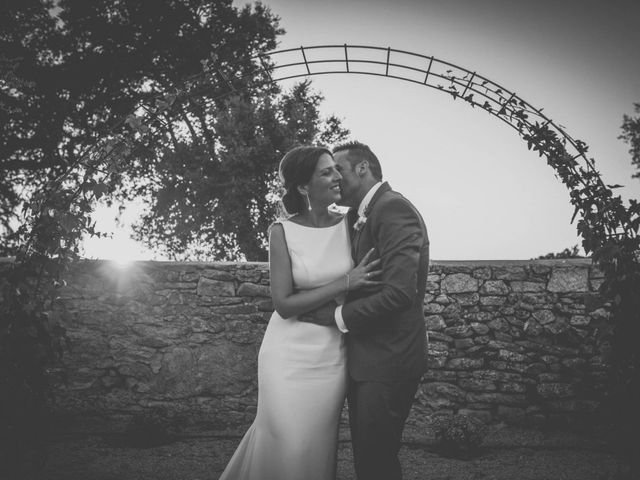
x=399, y=237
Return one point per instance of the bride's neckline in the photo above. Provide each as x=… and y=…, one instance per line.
x=340, y=220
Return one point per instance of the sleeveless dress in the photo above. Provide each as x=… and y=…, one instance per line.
x=302, y=376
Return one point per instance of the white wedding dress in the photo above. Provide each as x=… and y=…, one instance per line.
x=302, y=375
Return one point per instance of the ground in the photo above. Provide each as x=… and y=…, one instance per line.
x=508, y=453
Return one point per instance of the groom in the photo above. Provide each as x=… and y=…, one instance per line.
x=385, y=330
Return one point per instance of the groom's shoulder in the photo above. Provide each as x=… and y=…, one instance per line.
x=396, y=198
x=392, y=200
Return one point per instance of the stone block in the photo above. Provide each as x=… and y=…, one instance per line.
x=432, y=287
x=511, y=356
x=253, y=290
x=443, y=300
x=544, y=316
x=435, y=323
x=550, y=359
x=498, y=376
x=214, y=274
x=477, y=385
x=527, y=286
x=479, y=328
x=600, y=314
x=502, y=345
x=438, y=348
x=481, y=317
x=214, y=288
x=432, y=308
x=466, y=299
x=224, y=368
x=439, y=395
x=569, y=280
x=512, y=387
x=557, y=327
x=445, y=376
x=494, y=287
x=499, y=324
x=534, y=368
x=576, y=363
x=235, y=309
x=439, y=337
x=249, y=276
x=460, y=331
x=494, y=398
x=579, y=320
x=509, y=273
x=482, y=273
x=484, y=416
x=463, y=343
x=205, y=300
x=540, y=269
x=436, y=362
x=555, y=390
x=465, y=363
x=459, y=283
x=493, y=300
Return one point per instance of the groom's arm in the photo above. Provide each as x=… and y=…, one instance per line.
x=400, y=238
x=323, y=315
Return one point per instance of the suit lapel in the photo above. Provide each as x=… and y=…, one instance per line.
x=357, y=236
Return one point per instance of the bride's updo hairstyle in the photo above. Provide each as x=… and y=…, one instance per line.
x=296, y=169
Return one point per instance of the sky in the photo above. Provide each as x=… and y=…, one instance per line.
x=483, y=195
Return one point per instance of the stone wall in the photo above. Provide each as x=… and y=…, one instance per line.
x=523, y=342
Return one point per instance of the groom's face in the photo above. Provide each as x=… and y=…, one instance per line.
x=350, y=183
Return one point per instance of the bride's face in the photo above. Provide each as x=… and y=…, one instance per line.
x=324, y=187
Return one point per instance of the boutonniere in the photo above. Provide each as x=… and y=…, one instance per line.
x=360, y=223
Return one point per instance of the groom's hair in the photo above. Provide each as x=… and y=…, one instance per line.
x=359, y=152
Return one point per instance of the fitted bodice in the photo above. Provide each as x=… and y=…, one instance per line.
x=318, y=255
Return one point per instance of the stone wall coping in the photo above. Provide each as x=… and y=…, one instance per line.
x=578, y=262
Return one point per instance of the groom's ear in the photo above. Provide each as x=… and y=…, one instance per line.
x=362, y=167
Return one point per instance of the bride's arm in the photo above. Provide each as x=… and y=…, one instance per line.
x=289, y=303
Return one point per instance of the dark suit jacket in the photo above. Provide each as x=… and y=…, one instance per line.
x=387, y=334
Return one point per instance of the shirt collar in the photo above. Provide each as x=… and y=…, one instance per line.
x=367, y=198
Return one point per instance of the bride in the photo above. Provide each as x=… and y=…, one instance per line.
x=302, y=376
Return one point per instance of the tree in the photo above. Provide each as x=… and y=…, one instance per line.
x=572, y=252
x=631, y=135
x=70, y=70
x=217, y=203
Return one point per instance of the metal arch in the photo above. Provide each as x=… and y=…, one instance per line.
x=429, y=71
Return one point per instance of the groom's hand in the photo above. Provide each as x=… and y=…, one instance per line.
x=323, y=315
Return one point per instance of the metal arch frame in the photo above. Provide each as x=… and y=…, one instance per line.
x=470, y=86
x=473, y=88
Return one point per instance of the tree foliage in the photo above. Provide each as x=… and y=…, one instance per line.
x=569, y=252
x=631, y=135
x=70, y=70
x=214, y=199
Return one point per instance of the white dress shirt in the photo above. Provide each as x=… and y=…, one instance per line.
x=361, y=209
